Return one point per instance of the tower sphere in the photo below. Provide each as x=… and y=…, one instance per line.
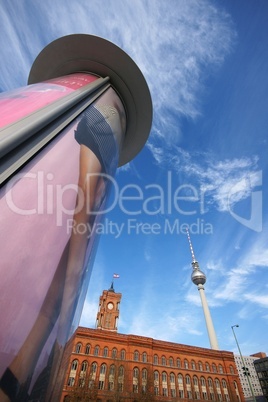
x=198, y=277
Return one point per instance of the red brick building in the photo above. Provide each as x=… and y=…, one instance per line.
x=108, y=366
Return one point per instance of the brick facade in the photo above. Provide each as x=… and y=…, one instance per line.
x=132, y=368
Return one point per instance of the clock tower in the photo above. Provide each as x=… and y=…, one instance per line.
x=108, y=313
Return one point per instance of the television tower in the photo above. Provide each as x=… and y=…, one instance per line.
x=199, y=279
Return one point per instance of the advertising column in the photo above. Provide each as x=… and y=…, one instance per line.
x=87, y=109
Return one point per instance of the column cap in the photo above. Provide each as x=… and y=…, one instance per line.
x=87, y=53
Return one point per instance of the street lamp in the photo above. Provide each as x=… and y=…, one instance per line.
x=244, y=365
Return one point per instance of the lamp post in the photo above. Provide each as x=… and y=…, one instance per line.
x=243, y=361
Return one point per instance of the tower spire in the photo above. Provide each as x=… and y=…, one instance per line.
x=199, y=279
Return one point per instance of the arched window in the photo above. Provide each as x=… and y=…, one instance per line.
x=112, y=370
x=200, y=366
x=180, y=379
x=87, y=350
x=74, y=365
x=214, y=368
x=196, y=388
x=105, y=352
x=103, y=368
x=172, y=385
x=193, y=365
x=210, y=382
x=136, y=355
x=164, y=361
x=144, y=374
x=93, y=367
x=217, y=383
x=78, y=347
x=171, y=361
x=164, y=377
x=203, y=388
x=207, y=367
x=96, y=350
x=123, y=354
x=136, y=372
x=114, y=353
x=188, y=379
x=144, y=357
x=186, y=364
x=203, y=381
x=220, y=369
x=121, y=371
x=84, y=366
x=231, y=369
x=224, y=384
x=178, y=362
x=155, y=359
x=156, y=376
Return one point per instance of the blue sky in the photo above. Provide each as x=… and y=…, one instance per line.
x=206, y=65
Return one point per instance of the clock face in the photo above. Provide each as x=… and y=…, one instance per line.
x=110, y=306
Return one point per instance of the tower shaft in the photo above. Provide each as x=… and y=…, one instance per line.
x=210, y=327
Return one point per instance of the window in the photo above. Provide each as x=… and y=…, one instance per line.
x=178, y=362
x=144, y=357
x=96, y=350
x=224, y=385
x=84, y=366
x=203, y=381
x=164, y=392
x=121, y=371
x=181, y=393
x=120, y=386
x=135, y=388
x=156, y=390
x=103, y=369
x=136, y=355
x=231, y=370
x=187, y=379
x=200, y=365
x=156, y=376
x=214, y=368
x=144, y=374
x=87, y=350
x=101, y=385
x=136, y=372
x=171, y=361
x=193, y=365
x=220, y=369
x=155, y=359
x=186, y=364
x=164, y=377
x=180, y=379
x=74, y=365
x=105, y=352
x=71, y=382
x=112, y=370
x=173, y=392
x=189, y=394
x=195, y=380
x=114, y=353
x=210, y=383
x=172, y=378
x=93, y=367
x=78, y=348
x=207, y=367
x=164, y=361
x=123, y=354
